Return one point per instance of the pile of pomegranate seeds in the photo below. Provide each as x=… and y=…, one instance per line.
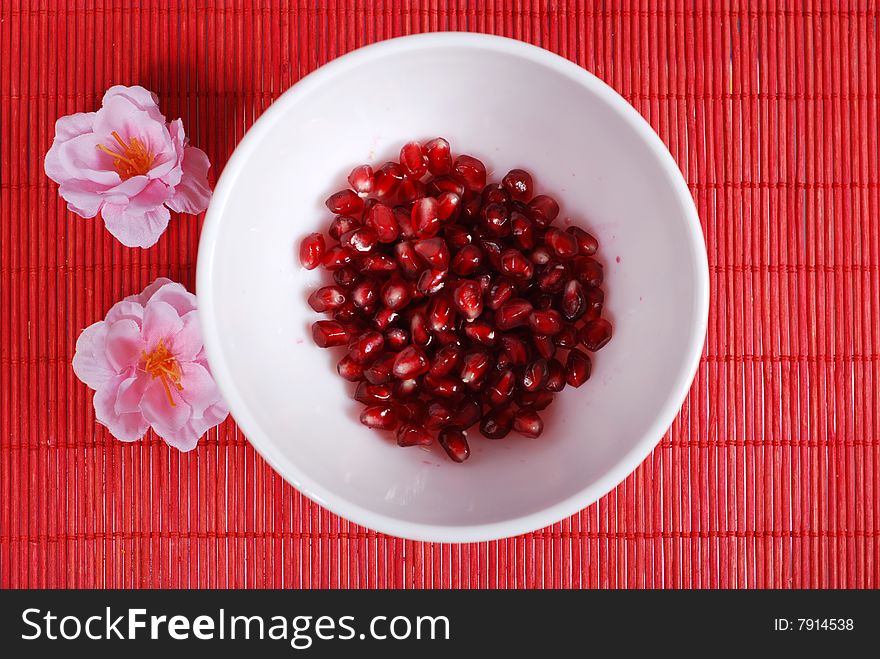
x=460, y=302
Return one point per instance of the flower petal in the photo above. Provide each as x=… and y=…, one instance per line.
x=187, y=343
x=126, y=308
x=128, y=397
x=193, y=193
x=161, y=322
x=125, y=427
x=151, y=289
x=178, y=297
x=199, y=388
x=165, y=418
x=124, y=344
x=187, y=438
x=138, y=96
x=142, y=231
x=66, y=128
x=90, y=363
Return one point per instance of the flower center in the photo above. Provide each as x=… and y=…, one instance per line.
x=163, y=365
x=129, y=159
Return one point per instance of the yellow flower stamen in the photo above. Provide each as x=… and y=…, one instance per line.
x=132, y=159
x=162, y=364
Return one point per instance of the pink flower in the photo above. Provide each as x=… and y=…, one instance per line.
x=146, y=363
x=127, y=163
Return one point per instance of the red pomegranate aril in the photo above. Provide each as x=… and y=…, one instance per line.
x=345, y=202
x=439, y=415
x=456, y=236
x=376, y=263
x=432, y=282
x=563, y=244
x=467, y=260
x=552, y=277
x=545, y=345
x=495, y=220
x=588, y=271
x=440, y=314
x=409, y=434
x=361, y=179
x=341, y=225
x=574, y=302
x=346, y=276
x=448, y=337
x=360, y=240
x=412, y=160
x=515, y=350
x=587, y=245
x=380, y=218
x=474, y=368
x=528, y=422
x=522, y=230
x=468, y=298
x=349, y=369
x=500, y=292
x=410, y=363
x=471, y=171
x=329, y=333
x=387, y=179
x=445, y=361
x=438, y=155
x=434, y=251
x=379, y=372
x=347, y=313
x=440, y=184
x=371, y=394
x=454, y=442
x=425, y=217
x=485, y=282
x=410, y=190
x=556, y=376
x=544, y=209
x=441, y=387
x=544, y=301
x=496, y=424
x=545, y=322
x=408, y=259
x=536, y=400
x=513, y=313
x=577, y=367
x=384, y=318
x=327, y=297
x=396, y=338
x=366, y=347
x=396, y=293
x=492, y=249
x=468, y=413
x=513, y=263
x=448, y=204
x=482, y=332
x=379, y=417
x=311, y=251
x=595, y=334
x=403, y=217
x=501, y=389
x=365, y=294
x=518, y=183
x=540, y=256
x=418, y=330
x=535, y=375
x=567, y=337
x=470, y=208
x=406, y=389
x=494, y=193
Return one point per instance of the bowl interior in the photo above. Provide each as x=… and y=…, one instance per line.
x=510, y=105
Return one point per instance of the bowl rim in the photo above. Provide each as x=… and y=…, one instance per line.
x=343, y=507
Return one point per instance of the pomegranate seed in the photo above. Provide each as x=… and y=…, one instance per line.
x=439, y=415
x=349, y=369
x=474, y=368
x=440, y=184
x=396, y=338
x=432, y=282
x=574, y=303
x=408, y=389
x=495, y=220
x=540, y=256
x=341, y=225
x=413, y=435
x=361, y=240
x=544, y=301
x=518, y=183
x=425, y=217
x=552, y=277
x=418, y=330
x=471, y=171
x=410, y=190
x=561, y=243
x=497, y=423
x=311, y=251
x=568, y=336
x=515, y=350
x=434, y=251
x=456, y=236
x=442, y=387
x=369, y=394
x=408, y=259
x=412, y=160
x=556, y=376
x=468, y=299
x=345, y=202
x=329, y=333
x=410, y=363
x=501, y=389
x=365, y=294
x=495, y=194
x=513, y=313
x=396, y=293
x=345, y=276
x=438, y=155
x=522, y=230
x=595, y=298
x=587, y=245
x=577, y=368
x=545, y=322
x=448, y=205
x=528, y=422
x=440, y=314
x=379, y=372
x=387, y=179
x=377, y=263
x=379, y=417
x=536, y=400
x=535, y=375
x=468, y=413
x=380, y=218
x=470, y=209
x=366, y=347
x=480, y=331
x=500, y=292
x=544, y=209
x=492, y=250
x=588, y=271
x=544, y=345
x=448, y=338
x=513, y=263
x=403, y=217
x=595, y=334
x=361, y=179
x=346, y=313
x=327, y=297
x=445, y=361
x=454, y=442
x=467, y=260
x=485, y=281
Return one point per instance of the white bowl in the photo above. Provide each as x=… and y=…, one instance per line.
x=511, y=105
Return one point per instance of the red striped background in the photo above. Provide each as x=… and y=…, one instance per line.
x=768, y=477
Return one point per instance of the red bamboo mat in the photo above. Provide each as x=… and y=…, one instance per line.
x=768, y=477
